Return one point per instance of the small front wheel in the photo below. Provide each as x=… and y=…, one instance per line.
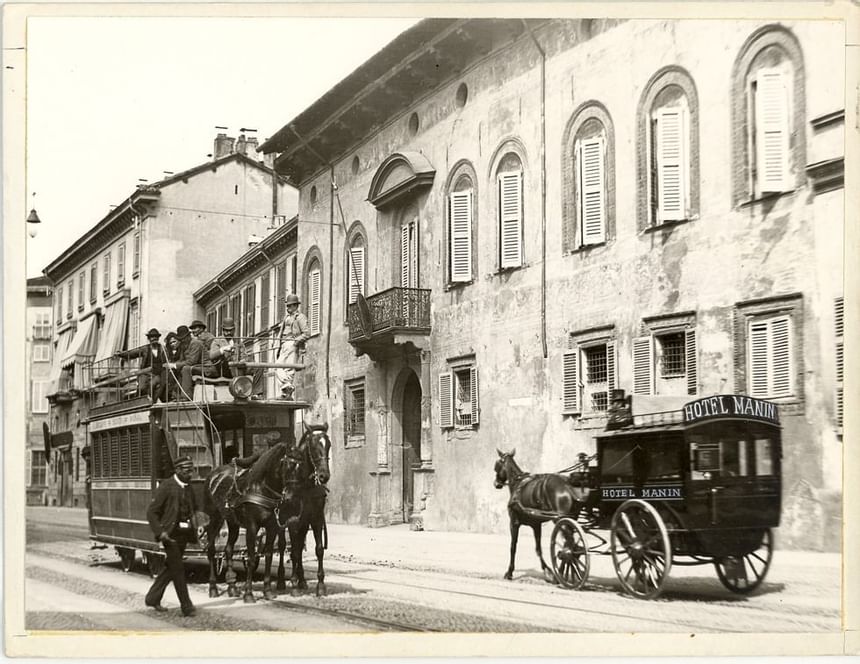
x=641, y=550
x=743, y=574
x=569, y=553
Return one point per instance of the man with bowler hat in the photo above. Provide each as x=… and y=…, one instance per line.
x=198, y=329
x=191, y=356
x=226, y=349
x=154, y=359
x=171, y=517
x=294, y=334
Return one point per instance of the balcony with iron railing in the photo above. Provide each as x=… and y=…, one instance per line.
x=390, y=318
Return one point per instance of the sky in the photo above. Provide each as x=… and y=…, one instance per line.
x=112, y=100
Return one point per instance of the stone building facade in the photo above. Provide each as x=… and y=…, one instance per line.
x=541, y=211
x=138, y=268
x=39, y=330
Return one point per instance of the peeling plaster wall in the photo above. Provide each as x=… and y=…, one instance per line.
x=728, y=255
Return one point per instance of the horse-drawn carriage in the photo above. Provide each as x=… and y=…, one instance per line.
x=697, y=486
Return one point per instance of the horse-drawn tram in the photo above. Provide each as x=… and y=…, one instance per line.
x=701, y=485
x=134, y=441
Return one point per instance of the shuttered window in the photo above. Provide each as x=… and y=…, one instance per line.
x=222, y=314
x=94, y=276
x=665, y=362
x=643, y=363
x=106, y=277
x=250, y=299
x=236, y=313
x=692, y=355
x=355, y=272
x=771, y=130
x=838, y=329
x=314, y=303
x=591, y=167
x=460, y=215
x=265, y=302
x=770, y=357
x=59, y=305
x=409, y=255
x=280, y=291
x=570, y=381
x=511, y=219
x=120, y=265
x=671, y=148
x=446, y=400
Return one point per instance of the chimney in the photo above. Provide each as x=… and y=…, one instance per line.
x=254, y=239
x=250, y=146
x=223, y=146
x=240, y=144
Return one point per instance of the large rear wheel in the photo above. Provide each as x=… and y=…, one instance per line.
x=641, y=551
x=569, y=553
x=743, y=574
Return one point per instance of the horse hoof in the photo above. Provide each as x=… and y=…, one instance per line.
x=281, y=585
x=232, y=592
x=321, y=591
x=249, y=599
x=213, y=592
x=509, y=576
x=295, y=592
x=267, y=594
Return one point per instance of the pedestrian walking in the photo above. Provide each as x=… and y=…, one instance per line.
x=294, y=334
x=171, y=517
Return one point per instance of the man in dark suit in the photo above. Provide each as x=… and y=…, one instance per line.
x=170, y=515
x=155, y=359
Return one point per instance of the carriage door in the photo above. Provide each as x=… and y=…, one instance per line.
x=411, y=441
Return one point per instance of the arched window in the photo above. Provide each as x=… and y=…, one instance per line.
x=509, y=183
x=588, y=170
x=768, y=108
x=356, y=263
x=667, y=149
x=312, y=290
x=460, y=230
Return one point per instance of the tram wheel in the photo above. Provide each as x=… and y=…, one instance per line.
x=154, y=563
x=743, y=574
x=126, y=558
x=641, y=550
x=569, y=554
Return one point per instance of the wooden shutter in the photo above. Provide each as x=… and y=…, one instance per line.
x=771, y=130
x=405, y=256
x=672, y=164
x=643, y=365
x=611, y=377
x=780, y=336
x=461, y=236
x=511, y=219
x=356, y=272
x=592, y=190
x=839, y=331
x=446, y=400
x=653, y=179
x=314, y=304
x=570, y=381
x=251, y=308
x=758, y=358
x=473, y=382
x=691, y=357
x=265, y=301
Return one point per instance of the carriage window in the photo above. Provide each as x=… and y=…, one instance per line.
x=663, y=461
x=617, y=460
x=763, y=456
x=736, y=450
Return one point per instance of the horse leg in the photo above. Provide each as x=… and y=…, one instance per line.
x=212, y=530
x=230, y=573
x=319, y=526
x=253, y=557
x=515, y=533
x=536, y=527
x=282, y=547
x=297, y=545
x=267, y=569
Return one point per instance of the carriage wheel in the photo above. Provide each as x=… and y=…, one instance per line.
x=126, y=558
x=569, y=553
x=641, y=551
x=743, y=574
x=154, y=563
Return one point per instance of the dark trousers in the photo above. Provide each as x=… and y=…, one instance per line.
x=174, y=570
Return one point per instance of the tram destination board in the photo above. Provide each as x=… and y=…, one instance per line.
x=731, y=405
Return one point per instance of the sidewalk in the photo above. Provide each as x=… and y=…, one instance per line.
x=470, y=554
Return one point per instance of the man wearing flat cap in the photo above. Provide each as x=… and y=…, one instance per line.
x=294, y=334
x=155, y=359
x=171, y=517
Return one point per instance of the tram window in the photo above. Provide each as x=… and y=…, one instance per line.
x=617, y=460
x=763, y=456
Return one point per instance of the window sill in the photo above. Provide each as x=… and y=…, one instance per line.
x=765, y=198
x=457, y=285
x=584, y=249
x=354, y=441
x=667, y=225
x=501, y=271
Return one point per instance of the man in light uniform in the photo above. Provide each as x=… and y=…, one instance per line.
x=294, y=334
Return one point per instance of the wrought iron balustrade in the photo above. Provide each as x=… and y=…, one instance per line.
x=392, y=310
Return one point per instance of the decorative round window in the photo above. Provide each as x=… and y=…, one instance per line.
x=413, y=124
x=462, y=95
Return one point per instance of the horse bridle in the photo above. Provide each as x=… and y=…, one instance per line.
x=317, y=480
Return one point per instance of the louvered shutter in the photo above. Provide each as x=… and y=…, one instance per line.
x=461, y=236
x=839, y=331
x=356, y=273
x=671, y=164
x=781, y=357
x=314, y=305
x=265, y=301
x=511, y=219
x=611, y=377
x=691, y=357
x=758, y=359
x=771, y=130
x=591, y=187
x=570, y=381
x=280, y=291
x=643, y=365
x=473, y=382
x=408, y=256
x=446, y=400
x=654, y=180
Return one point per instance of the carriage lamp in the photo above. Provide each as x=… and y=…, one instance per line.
x=241, y=387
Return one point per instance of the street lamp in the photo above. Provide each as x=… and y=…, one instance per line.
x=33, y=222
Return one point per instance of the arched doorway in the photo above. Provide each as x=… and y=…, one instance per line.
x=411, y=423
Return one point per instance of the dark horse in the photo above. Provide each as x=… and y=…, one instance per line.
x=254, y=500
x=534, y=499
x=306, y=510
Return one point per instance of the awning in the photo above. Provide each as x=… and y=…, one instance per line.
x=57, y=368
x=83, y=345
x=112, y=338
